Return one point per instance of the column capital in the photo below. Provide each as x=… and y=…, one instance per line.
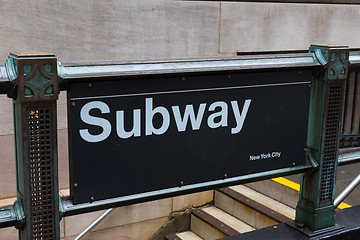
x=335, y=60
x=34, y=75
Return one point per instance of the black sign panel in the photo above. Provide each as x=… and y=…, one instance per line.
x=130, y=136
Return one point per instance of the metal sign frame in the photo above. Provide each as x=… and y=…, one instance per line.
x=329, y=65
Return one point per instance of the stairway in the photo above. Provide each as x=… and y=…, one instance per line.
x=240, y=209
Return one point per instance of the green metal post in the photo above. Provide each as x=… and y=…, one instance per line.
x=315, y=208
x=35, y=80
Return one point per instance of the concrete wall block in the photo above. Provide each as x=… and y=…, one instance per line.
x=7, y=169
x=284, y=26
x=194, y=200
x=6, y=114
x=136, y=231
x=121, y=216
x=74, y=225
x=9, y=233
x=112, y=30
x=62, y=111
x=136, y=213
x=62, y=228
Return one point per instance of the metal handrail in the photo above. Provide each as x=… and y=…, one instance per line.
x=96, y=222
x=347, y=191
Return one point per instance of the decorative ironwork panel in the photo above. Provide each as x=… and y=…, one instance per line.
x=41, y=173
x=330, y=143
x=34, y=75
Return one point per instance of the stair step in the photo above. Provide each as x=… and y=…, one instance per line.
x=240, y=209
x=280, y=192
x=266, y=201
x=252, y=207
x=188, y=235
x=213, y=223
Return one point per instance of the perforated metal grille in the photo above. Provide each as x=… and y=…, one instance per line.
x=41, y=173
x=330, y=148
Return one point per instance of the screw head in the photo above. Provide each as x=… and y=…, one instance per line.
x=90, y=85
x=73, y=104
x=75, y=185
x=299, y=224
x=92, y=199
x=181, y=183
x=225, y=175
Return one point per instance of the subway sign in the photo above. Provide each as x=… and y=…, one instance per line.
x=139, y=135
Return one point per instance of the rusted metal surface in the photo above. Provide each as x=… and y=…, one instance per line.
x=214, y=222
x=254, y=205
x=35, y=79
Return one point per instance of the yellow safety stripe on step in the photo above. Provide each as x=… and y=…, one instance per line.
x=287, y=183
x=296, y=187
x=344, y=205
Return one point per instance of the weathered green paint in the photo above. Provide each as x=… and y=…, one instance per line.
x=12, y=215
x=20, y=216
x=37, y=208
x=315, y=208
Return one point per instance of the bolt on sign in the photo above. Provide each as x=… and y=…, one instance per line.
x=142, y=134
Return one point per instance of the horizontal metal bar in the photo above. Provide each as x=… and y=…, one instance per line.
x=350, y=135
x=354, y=59
x=85, y=70
x=70, y=209
x=7, y=216
x=249, y=62
x=265, y=61
x=3, y=73
x=349, y=155
x=4, y=81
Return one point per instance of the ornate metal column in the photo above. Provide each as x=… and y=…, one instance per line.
x=315, y=208
x=35, y=80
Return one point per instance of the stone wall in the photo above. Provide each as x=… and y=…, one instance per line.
x=90, y=30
